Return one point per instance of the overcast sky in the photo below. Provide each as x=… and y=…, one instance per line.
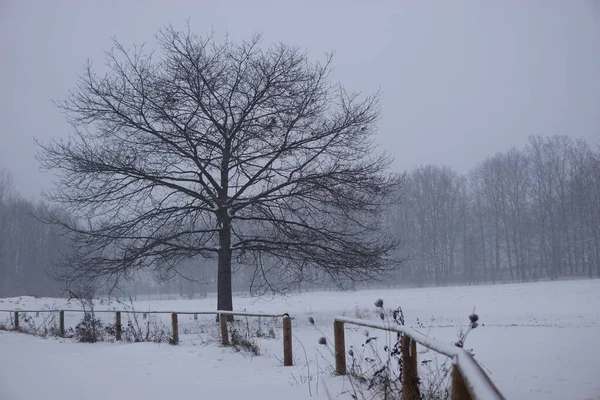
x=460, y=80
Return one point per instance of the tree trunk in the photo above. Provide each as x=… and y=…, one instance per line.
x=496, y=274
x=224, y=289
x=508, y=252
x=597, y=246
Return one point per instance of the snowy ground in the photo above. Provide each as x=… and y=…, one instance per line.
x=537, y=341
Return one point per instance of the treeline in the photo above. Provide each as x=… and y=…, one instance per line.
x=518, y=216
x=29, y=249
x=522, y=215
x=27, y=246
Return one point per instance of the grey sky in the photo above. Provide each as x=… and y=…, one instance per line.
x=460, y=80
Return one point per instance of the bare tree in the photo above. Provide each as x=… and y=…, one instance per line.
x=550, y=168
x=486, y=186
x=220, y=150
x=515, y=181
x=6, y=184
x=27, y=247
x=429, y=222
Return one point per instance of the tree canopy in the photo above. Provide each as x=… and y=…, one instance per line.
x=233, y=151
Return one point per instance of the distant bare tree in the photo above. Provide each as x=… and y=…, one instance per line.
x=220, y=150
x=437, y=192
x=6, y=184
x=486, y=183
x=549, y=170
x=584, y=207
x=429, y=221
x=5, y=190
x=515, y=182
x=27, y=247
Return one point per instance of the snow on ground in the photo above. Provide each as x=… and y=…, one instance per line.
x=34, y=368
x=536, y=340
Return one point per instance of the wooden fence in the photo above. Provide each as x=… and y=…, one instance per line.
x=469, y=381
x=286, y=322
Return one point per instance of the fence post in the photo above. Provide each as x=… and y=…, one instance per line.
x=175, y=328
x=288, y=359
x=340, y=347
x=459, y=389
x=16, y=320
x=410, y=373
x=224, y=333
x=61, y=322
x=118, y=326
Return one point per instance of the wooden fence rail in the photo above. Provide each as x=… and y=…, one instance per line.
x=469, y=381
x=286, y=322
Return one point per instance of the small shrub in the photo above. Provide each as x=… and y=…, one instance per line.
x=27, y=324
x=150, y=329
x=376, y=372
x=270, y=334
x=89, y=329
x=52, y=330
x=110, y=330
x=160, y=334
x=239, y=341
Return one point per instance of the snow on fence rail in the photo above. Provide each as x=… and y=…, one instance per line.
x=286, y=322
x=469, y=381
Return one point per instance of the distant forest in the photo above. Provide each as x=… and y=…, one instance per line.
x=521, y=215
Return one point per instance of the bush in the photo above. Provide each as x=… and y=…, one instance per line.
x=153, y=330
x=373, y=374
x=239, y=341
x=136, y=331
x=89, y=329
x=52, y=330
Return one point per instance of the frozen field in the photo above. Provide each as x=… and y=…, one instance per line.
x=538, y=341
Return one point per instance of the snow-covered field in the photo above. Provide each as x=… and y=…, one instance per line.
x=537, y=341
